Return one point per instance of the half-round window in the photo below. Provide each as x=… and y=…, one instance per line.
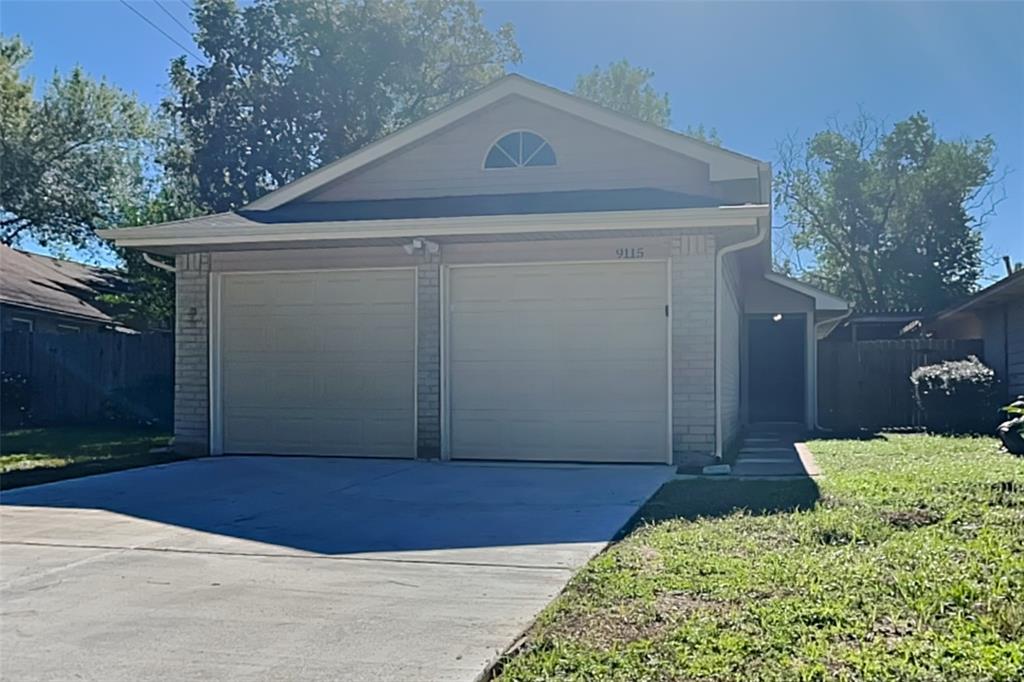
x=521, y=149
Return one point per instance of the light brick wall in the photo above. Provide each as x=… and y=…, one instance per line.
x=693, y=351
x=693, y=346
x=428, y=359
x=191, y=355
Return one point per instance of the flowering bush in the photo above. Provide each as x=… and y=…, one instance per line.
x=957, y=395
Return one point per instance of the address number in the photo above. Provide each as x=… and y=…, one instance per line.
x=629, y=253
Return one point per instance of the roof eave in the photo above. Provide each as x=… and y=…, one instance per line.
x=199, y=234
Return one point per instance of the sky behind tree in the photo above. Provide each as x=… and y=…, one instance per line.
x=756, y=72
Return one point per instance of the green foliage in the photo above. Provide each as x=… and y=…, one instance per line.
x=627, y=89
x=149, y=299
x=906, y=564
x=292, y=85
x=891, y=219
x=956, y=396
x=71, y=158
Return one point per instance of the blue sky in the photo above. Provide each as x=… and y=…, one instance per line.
x=755, y=71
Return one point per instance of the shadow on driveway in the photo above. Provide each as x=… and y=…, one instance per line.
x=335, y=506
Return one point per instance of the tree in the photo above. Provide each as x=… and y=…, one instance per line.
x=890, y=218
x=69, y=159
x=628, y=90
x=292, y=85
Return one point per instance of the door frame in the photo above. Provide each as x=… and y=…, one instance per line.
x=810, y=356
x=446, y=411
x=214, y=338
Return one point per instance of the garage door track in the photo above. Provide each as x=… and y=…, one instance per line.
x=285, y=568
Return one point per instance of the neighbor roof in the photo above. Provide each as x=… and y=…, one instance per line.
x=723, y=164
x=55, y=286
x=1005, y=290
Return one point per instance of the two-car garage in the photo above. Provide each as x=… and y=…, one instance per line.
x=556, y=361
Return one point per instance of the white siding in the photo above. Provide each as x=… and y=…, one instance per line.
x=589, y=157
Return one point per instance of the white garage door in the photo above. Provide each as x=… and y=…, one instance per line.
x=318, y=363
x=559, y=362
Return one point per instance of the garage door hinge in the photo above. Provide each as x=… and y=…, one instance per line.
x=666, y=310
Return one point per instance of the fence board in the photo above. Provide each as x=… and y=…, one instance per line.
x=866, y=384
x=78, y=378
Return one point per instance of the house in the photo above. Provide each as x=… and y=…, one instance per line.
x=523, y=275
x=50, y=295
x=995, y=315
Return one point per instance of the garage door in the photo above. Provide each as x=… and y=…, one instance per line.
x=559, y=362
x=318, y=363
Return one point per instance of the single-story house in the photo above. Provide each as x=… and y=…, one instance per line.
x=50, y=295
x=996, y=316
x=523, y=275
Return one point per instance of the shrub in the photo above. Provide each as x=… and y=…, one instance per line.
x=956, y=396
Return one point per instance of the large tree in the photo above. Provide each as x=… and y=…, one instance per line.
x=293, y=84
x=628, y=90
x=890, y=218
x=69, y=158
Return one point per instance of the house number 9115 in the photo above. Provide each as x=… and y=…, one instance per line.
x=629, y=253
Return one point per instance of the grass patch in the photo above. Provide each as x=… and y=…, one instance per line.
x=905, y=562
x=43, y=455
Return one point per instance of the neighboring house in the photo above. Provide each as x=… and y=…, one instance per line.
x=995, y=315
x=523, y=275
x=49, y=295
x=875, y=325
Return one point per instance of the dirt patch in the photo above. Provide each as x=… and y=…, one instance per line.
x=909, y=519
x=631, y=621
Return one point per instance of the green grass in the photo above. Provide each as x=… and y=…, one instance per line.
x=905, y=562
x=32, y=456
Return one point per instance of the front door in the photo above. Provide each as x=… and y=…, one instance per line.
x=776, y=352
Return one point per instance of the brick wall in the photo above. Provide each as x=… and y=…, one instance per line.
x=428, y=359
x=191, y=355
x=693, y=346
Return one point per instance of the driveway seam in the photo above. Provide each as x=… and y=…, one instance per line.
x=266, y=555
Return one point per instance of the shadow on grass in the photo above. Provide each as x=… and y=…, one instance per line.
x=44, y=455
x=23, y=477
x=704, y=498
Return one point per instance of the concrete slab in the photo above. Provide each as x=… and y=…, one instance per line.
x=281, y=568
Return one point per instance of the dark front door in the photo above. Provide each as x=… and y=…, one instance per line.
x=776, y=367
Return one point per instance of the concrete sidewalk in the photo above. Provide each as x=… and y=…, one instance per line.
x=774, y=450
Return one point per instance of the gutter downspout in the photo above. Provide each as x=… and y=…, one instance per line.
x=759, y=237
x=156, y=263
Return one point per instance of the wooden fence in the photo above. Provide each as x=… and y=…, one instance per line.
x=80, y=378
x=866, y=384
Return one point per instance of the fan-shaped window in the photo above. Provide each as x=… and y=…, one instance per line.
x=520, y=149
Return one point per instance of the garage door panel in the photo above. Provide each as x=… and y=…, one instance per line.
x=319, y=362
x=562, y=362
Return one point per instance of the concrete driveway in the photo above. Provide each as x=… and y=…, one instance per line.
x=276, y=568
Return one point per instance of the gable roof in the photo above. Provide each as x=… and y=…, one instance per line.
x=822, y=299
x=723, y=164
x=51, y=285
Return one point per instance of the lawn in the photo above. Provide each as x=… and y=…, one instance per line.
x=42, y=455
x=905, y=562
